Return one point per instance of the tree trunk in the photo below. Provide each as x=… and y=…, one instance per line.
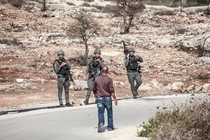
x=181, y=6
x=128, y=25
x=44, y=8
x=86, y=48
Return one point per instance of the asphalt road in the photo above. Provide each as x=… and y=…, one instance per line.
x=79, y=123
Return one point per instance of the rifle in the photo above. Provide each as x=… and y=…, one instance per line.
x=139, y=69
x=125, y=49
x=71, y=77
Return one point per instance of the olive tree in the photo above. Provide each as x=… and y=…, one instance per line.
x=84, y=27
x=128, y=9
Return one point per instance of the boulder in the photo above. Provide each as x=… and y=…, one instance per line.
x=202, y=61
x=177, y=87
x=190, y=88
x=206, y=88
x=198, y=89
x=155, y=84
x=79, y=85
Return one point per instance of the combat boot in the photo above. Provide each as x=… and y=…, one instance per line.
x=86, y=102
x=68, y=105
x=61, y=105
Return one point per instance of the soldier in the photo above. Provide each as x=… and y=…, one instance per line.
x=62, y=69
x=93, y=70
x=133, y=71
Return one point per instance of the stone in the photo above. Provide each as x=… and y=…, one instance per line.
x=145, y=87
x=206, y=88
x=198, y=89
x=23, y=85
x=79, y=85
x=19, y=80
x=177, y=86
x=190, y=88
x=155, y=84
x=202, y=61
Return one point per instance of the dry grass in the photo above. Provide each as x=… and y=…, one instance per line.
x=190, y=122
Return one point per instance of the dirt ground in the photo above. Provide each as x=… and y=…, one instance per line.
x=166, y=68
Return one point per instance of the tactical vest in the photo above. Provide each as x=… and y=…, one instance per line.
x=94, y=67
x=133, y=64
x=64, y=71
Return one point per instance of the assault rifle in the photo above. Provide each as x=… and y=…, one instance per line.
x=125, y=49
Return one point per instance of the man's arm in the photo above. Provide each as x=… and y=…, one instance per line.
x=57, y=67
x=126, y=62
x=95, y=88
x=140, y=59
x=68, y=64
x=111, y=89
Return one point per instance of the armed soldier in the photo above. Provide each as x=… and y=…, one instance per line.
x=62, y=69
x=93, y=70
x=133, y=71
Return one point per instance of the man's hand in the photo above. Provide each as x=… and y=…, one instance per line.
x=115, y=101
x=63, y=64
x=126, y=56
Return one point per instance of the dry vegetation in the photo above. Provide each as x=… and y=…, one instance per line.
x=189, y=122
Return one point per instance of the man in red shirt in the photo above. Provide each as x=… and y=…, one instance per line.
x=104, y=90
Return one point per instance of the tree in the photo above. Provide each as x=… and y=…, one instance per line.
x=44, y=7
x=127, y=9
x=83, y=27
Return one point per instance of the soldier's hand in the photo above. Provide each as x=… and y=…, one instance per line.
x=63, y=64
x=115, y=101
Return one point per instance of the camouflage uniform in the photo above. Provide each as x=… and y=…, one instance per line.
x=93, y=69
x=63, y=74
x=134, y=77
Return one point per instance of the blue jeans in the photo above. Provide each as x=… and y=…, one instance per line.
x=102, y=104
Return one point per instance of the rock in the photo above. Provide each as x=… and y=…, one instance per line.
x=202, y=61
x=177, y=87
x=119, y=84
x=190, y=88
x=79, y=85
x=4, y=87
x=145, y=87
x=203, y=76
x=194, y=42
x=206, y=88
x=23, y=85
x=155, y=84
x=19, y=80
x=198, y=89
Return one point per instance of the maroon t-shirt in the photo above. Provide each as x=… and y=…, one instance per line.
x=103, y=86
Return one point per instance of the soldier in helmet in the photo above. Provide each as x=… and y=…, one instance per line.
x=133, y=71
x=93, y=70
x=62, y=69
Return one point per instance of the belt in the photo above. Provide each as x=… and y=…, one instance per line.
x=61, y=76
x=103, y=96
x=132, y=70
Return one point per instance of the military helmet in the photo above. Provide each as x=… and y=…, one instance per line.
x=60, y=52
x=131, y=50
x=97, y=51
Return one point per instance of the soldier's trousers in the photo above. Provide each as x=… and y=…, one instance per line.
x=135, y=81
x=63, y=84
x=90, y=83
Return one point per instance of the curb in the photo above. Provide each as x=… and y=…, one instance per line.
x=26, y=110
x=47, y=107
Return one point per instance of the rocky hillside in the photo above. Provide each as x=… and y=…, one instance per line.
x=166, y=39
